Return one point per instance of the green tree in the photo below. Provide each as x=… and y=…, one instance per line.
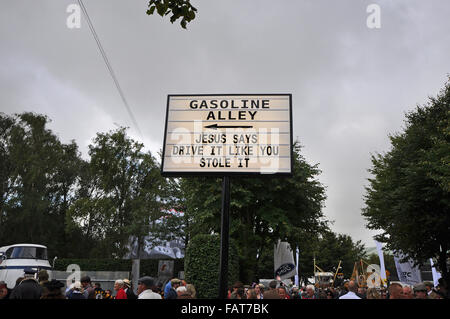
x=408, y=196
x=262, y=210
x=120, y=195
x=38, y=176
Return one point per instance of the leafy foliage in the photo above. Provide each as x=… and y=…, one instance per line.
x=179, y=8
x=408, y=197
x=262, y=210
x=202, y=262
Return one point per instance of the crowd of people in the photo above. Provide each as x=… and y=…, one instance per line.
x=349, y=290
x=38, y=286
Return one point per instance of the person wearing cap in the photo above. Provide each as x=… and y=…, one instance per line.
x=175, y=283
x=420, y=291
x=28, y=288
x=144, y=289
x=128, y=289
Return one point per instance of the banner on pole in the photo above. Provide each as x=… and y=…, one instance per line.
x=284, y=261
x=407, y=272
x=382, y=266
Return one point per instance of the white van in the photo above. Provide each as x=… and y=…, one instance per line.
x=15, y=258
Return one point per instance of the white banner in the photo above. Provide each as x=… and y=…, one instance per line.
x=382, y=267
x=284, y=261
x=436, y=274
x=407, y=273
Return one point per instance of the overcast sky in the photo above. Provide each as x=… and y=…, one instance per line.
x=351, y=85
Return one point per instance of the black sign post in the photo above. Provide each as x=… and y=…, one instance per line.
x=224, y=238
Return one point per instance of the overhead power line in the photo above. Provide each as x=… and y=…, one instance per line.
x=108, y=65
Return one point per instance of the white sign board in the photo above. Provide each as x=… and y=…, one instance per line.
x=228, y=135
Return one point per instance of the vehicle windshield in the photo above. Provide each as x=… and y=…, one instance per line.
x=23, y=252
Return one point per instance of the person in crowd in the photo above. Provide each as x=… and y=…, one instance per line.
x=182, y=293
x=43, y=277
x=259, y=290
x=167, y=288
x=295, y=293
x=372, y=293
x=408, y=293
x=5, y=292
x=108, y=294
x=395, y=291
x=361, y=293
x=76, y=291
x=53, y=290
x=430, y=291
x=330, y=294
x=175, y=283
x=420, y=291
x=237, y=285
x=238, y=293
x=144, y=288
x=344, y=289
x=352, y=290
x=119, y=288
x=128, y=289
x=190, y=289
x=272, y=293
x=310, y=292
x=28, y=288
x=89, y=291
x=442, y=288
x=383, y=293
x=98, y=291
x=283, y=293
x=251, y=294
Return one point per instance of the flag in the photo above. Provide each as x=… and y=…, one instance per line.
x=382, y=266
x=407, y=272
x=436, y=274
x=284, y=264
x=296, y=268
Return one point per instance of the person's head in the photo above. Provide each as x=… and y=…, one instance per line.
x=420, y=291
x=43, y=275
x=118, y=284
x=127, y=283
x=251, y=293
x=98, y=285
x=85, y=281
x=53, y=290
x=237, y=285
x=310, y=290
x=282, y=292
x=76, y=286
x=330, y=294
x=428, y=285
x=352, y=286
x=190, y=289
x=145, y=283
x=181, y=290
x=372, y=293
x=175, y=282
x=395, y=291
x=273, y=284
x=407, y=293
